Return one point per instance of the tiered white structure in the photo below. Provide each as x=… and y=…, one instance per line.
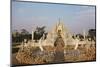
x=52, y=35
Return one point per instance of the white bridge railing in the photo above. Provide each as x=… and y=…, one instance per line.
x=40, y=43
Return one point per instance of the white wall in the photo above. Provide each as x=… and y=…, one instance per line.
x=5, y=33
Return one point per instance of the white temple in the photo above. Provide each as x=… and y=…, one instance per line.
x=52, y=35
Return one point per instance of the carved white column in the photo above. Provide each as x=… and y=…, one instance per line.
x=76, y=43
x=32, y=35
x=84, y=34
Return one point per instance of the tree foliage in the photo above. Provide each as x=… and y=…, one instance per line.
x=39, y=32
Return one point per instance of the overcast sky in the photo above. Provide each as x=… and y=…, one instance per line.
x=29, y=15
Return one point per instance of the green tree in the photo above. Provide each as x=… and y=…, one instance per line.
x=92, y=33
x=39, y=32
